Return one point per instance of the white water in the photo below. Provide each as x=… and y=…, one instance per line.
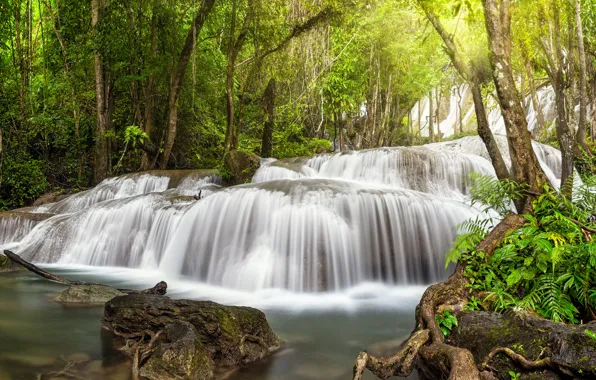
x=329, y=223
x=450, y=122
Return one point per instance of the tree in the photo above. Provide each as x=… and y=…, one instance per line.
x=583, y=98
x=177, y=76
x=101, y=165
x=474, y=74
x=524, y=164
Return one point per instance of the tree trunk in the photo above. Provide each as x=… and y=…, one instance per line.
x=524, y=164
x=269, y=105
x=556, y=72
x=431, y=127
x=534, y=96
x=22, y=68
x=101, y=157
x=583, y=96
x=592, y=101
x=150, y=93
x=234, y=47
x=177, y=77
x=487, y=135
x=472, y=76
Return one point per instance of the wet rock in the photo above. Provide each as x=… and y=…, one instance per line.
x=195, y=333
x=178, y=354
x=51, y=197
x=8, y=266
x=241, y=166
x=568, y=346
x=87, y=294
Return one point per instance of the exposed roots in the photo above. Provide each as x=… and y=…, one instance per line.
x=401, y=364
x=519, y=359
x=425, y=349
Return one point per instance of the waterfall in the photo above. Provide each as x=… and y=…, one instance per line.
x=14, y=227
x=326, y=223
x=449, y=123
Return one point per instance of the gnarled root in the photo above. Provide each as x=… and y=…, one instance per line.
x=400, y=364
x=522, y=361
x=442, y=358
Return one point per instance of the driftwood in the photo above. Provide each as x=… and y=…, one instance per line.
x=159, y=289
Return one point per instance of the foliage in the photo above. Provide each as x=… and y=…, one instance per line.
x=23, y=182
x=447, y=322
x=134, y=136
x=548, y=266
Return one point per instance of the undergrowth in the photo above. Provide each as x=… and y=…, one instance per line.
x=548, y=266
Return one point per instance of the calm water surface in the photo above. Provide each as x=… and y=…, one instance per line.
x=324, y=333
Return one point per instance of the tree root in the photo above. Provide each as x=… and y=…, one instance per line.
x=159, y=289
x=425, y=349
x=401, y=364
x=519, y=359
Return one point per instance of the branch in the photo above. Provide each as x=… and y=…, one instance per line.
x=159, y=289
x=525, y=363
x=401, y=364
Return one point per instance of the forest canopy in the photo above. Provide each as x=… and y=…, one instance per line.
x=104, y=87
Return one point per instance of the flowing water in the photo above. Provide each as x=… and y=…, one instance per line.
x=336, y=249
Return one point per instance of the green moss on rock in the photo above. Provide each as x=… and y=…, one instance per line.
x=231, y=336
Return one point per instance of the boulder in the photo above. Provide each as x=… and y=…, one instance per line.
x=87, y=294
x=241, y=167
x=186, y=333
x=178, y=354
x=571, y=348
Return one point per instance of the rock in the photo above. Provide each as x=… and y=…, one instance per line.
x=8, y=266
x=568, y=346
x=241, y=166
x=52, y=197
x=178, y=354
x=229, y=336
x=87, y=294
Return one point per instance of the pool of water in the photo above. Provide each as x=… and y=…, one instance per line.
x=323, y=332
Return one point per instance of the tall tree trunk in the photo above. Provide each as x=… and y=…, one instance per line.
x=472, y=77
x=486, y=134
x=534, y=96
x=150, y=93
x=556, y=73
x=431, y=111
x=592, y=101
x=269, y=106
x=583, y=95
x=234, y=47
x=75, y=105
x=177, y=77
x=101, y=156
x=22, y=68
x=524, y=164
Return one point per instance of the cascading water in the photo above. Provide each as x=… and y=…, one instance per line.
x=326, y=223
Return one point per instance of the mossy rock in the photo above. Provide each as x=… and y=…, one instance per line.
x=241, y=167
x=178, y=354
x=232, y=336
x=87, y=294
x=8, y=266
x=568, y=346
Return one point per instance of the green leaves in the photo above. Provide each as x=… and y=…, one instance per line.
x=446, y=322
x=546, y=266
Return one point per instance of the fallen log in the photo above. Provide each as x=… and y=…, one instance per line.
x=159, y=289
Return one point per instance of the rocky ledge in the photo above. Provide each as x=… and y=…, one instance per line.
x=183, y=339
x=526, y=345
